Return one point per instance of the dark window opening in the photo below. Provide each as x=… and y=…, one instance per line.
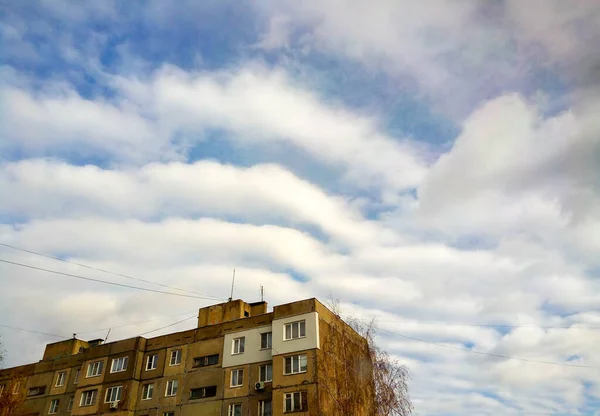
x=206, y=361
x=202, y=392
x=36, y=391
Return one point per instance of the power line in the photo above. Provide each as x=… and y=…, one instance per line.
x=32, y=331
x=491, y=325
x=99, y=269
x=132, y=323
x=166, y=326
x=94, y=330
x=104, y=281
x=488, y=354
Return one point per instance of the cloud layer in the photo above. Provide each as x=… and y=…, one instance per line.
x=172, y=145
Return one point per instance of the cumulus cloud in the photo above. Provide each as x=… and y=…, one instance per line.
x=490, y=246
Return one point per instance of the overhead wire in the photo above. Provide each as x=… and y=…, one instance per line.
x=32, y=331
x=107, y=282
x=167, y=326
x=100, y=269
x=133, y=323
x=572, y=326
x=507, y=357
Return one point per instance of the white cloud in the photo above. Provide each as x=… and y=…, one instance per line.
x=503, y=228
x=262, y=193
x=161, y=117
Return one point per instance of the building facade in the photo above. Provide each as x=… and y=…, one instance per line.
x=240, y=360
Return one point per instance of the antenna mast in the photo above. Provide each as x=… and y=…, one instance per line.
x=262, y=293
x=232, y=283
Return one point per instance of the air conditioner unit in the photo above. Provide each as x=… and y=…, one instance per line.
x=114, y=405
x=259, y=386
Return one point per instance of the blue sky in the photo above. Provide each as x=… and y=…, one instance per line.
x=432, y=164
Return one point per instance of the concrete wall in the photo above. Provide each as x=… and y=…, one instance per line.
x=252, y=353
x=312, y=340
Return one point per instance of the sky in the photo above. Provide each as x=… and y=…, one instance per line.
x=434, y=165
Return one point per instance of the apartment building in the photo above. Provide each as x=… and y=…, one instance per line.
x=240, y=360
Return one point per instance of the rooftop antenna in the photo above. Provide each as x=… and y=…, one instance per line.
x=262, y=293
x=232, y=283
x=74, y=335
x=107, y=334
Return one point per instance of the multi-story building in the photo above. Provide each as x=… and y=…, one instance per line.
x=240, y=360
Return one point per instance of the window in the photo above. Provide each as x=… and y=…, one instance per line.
x=295, y=364
x=34, y=391
x=266, y=340
x=16, y=387
x=70, y=406
x=76, y=380
x=235, y=409
x=151, y=362
x=295, y=402
x=168, y=413
x=53, y=407
x=94, y=369
x=203, y=392
x=88, y=398
x=206, y=361
x=60, y=379
x=113, y=394
x=265, y=408
x=147, y=390
x=1, y=388
x=266, y=373
x=175, y=357
x=295, y=330
x=119, y=364
x=171, y=388
x=238, y=345
x=237, y=377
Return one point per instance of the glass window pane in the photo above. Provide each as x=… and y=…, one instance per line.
x=302, y=360
x=302, y=328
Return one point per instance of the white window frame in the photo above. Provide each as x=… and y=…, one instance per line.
x=16, y=387
x=177, y=355
x=238, y=345
x=298, y=360
x=172, y=388
x=70, y=405
x=151, y=359
x=269, y=338
x=239, y=377
x=293, y=402
x=232, y=409
x=261, y=407
x=60, y=379
x=76, y=379
x=53, y=409
x=147, y=391
x=119, y=365
x=266, y=379
x=88, y=394
x=95, y=365
x=109, y=393
x=300, y=328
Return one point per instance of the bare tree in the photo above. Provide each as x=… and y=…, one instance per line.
x=360, y=378
x=9, y=402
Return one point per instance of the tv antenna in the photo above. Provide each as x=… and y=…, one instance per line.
x=262, y=293
x=232, y=283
